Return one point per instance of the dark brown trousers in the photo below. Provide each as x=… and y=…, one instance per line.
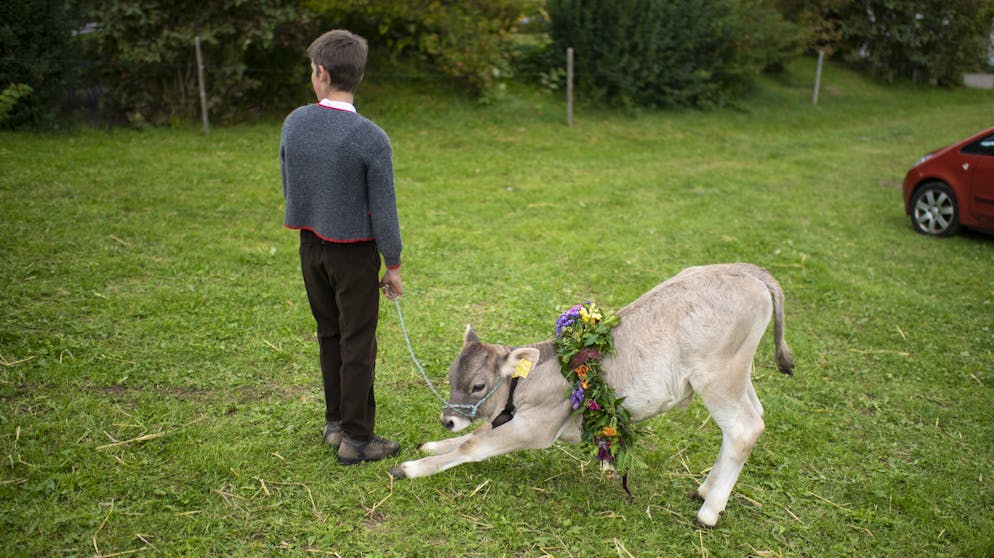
x=342, y=282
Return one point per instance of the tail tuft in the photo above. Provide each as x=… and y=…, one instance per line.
x=784, y=357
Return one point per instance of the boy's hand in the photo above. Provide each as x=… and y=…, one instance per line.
x=393, y=287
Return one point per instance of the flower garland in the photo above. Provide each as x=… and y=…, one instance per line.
x=583, y=337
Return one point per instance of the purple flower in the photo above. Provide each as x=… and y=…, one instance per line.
x=593, y=406
x=577, y=397
x=567, y=319
x=583, y=355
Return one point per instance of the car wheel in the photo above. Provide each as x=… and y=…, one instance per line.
x=934, y=210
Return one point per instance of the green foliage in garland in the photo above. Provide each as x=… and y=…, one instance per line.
x=583, y=339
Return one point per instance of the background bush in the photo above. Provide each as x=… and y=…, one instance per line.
x=819, y=22
x=470, y=41
x=136, y=59
x=930, y=41
x=147, y=62
x=38, y=50
x=927, y=41
x=655, y=53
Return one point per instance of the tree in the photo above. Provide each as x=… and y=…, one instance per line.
x=820, y=27
x=469, y=41
x=820, y=22
x=929, y=41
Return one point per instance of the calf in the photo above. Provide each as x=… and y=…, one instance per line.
x=696, y=332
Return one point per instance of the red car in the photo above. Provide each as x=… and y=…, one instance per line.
x=953, y=187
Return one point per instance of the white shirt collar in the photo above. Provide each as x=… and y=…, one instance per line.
x=337, y=105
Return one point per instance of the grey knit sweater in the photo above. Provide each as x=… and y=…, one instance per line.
x=338, y=179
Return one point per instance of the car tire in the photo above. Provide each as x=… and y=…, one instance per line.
x=934, y=210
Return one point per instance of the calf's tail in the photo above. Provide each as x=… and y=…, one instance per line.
x=784, y=357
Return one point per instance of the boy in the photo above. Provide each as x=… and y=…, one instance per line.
x=338, y=185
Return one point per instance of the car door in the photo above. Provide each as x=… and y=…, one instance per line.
x=978, y=162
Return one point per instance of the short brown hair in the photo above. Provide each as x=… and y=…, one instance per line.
x=343, y=55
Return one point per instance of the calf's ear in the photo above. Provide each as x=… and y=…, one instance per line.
x=470, y=336
x=520, y=360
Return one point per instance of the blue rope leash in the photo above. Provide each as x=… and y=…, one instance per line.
x=457, y=407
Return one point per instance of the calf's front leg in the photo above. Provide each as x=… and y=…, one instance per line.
x=519, y=433
x=447, y=445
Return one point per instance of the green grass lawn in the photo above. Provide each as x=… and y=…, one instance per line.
x=159, y=391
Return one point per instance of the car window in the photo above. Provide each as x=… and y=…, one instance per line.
x=983, y=146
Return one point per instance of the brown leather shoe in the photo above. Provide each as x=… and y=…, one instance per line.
x=352, y=451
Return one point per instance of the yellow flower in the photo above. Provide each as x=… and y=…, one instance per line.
x=609, y=431
x=581, y=371
x=590, y=316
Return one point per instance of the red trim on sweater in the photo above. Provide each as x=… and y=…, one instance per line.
x=337, y=240
x=326, y=239
x=341, y=105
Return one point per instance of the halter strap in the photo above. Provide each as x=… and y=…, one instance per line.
x=508, y=412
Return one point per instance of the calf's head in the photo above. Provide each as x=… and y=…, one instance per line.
x=479, y=374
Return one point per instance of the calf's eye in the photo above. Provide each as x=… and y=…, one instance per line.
x=478, y=387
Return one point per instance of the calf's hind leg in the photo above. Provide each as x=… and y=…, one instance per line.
x=741, y=425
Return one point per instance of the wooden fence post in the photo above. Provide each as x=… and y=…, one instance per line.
x=569, y=86
x=821, y=60
x=200, y=83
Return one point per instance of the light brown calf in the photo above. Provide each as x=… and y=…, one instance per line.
x=695, y=333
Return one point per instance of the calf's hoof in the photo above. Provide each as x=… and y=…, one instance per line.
x=707, y=519
x=397, y=473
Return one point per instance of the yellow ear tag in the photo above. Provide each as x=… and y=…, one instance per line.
x=522, y=369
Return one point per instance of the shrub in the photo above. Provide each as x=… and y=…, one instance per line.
x=38, y=49
x=664, y=53
x=147, y=62
x=930, y=41
x=10, y=97
x=469, y=41
x=819, y=22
